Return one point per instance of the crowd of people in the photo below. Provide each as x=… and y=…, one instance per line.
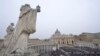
x=76, y=51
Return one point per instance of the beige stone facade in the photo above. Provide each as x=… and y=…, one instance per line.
x=59, y=38
x=90, y=37
x=76, y=40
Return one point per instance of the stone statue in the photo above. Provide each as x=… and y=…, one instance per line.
x=9, y=31
x=25, y=26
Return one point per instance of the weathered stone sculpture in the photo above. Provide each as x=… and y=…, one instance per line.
x=25, y=26
x=9, y=31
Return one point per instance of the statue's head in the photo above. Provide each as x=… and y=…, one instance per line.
x=25, y=7
x=12, y=24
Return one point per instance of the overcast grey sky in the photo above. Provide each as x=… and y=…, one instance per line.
x=69, y=16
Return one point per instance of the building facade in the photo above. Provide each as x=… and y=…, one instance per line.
x=62, y=39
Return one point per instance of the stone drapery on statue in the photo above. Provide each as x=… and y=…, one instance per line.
x=25, y=26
